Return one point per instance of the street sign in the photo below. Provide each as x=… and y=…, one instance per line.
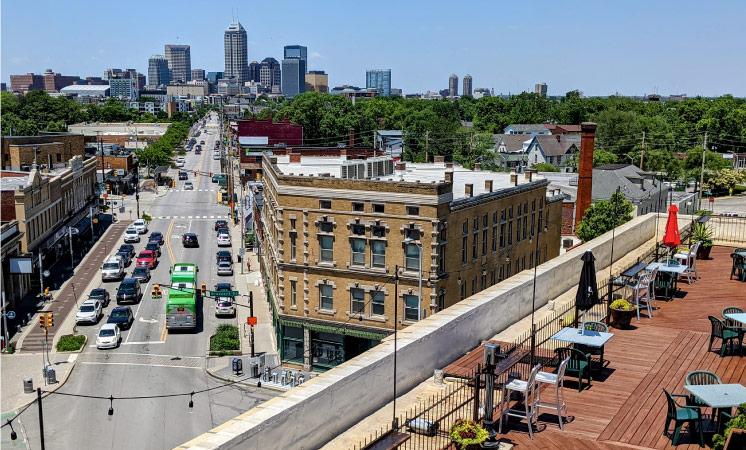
x=711, y=199
x=251, y=321
x=10, y=315
x=223, y=293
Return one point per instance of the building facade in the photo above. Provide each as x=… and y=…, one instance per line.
x=346, y=241
x=236, y=53
x=192, y=89
x=50, y=150
x=317, y=81
x=198, y=74
x=270, y=74
x=467, y=86
x=254, y=68
x=453, y=85
x=123, y=88
x=179, y=62
x=540, y=89
x=294, y=67
x=379, y=79
x=158, y=72
x=49, y=81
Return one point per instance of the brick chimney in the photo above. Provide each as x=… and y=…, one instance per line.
x=351, y=143
x=295, y=158
x=469, y=188
x=585, y=170
x=477, y=167
x=514, y=178
x=528, y=174
x=439, y=159
x=488, y=185
x=401, y=165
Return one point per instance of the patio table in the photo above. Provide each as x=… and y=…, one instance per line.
x=588, y=338
x=674, y=269
x=719, y=396
x=738, y=317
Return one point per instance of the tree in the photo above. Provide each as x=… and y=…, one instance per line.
x=725, y=180
x=602, y=157
x=545, y=167
x=604, y=215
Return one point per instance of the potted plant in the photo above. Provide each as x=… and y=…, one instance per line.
x=468, y=435
x=702, y=233
x=621, y=313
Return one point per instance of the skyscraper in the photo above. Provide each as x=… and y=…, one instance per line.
x=269, y=73
x=379, y=79
x=254, y=71
x=236, y=53
x=453, y=85
x=317, y=80
x=294, y=70
x=198, y=74
x=540, y=89
x=158, y=72
x=179, y=62
x=467, y=86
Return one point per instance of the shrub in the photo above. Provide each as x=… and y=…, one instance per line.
x=737, y=422
x=545, y=167
x=70, y=343
x=465, y=433
x=146, y=217
x=621, y=305
x=225, y=339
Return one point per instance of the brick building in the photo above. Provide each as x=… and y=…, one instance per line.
x=48, y=81
x=51, y=150
x=258, y=136
x=338, y=231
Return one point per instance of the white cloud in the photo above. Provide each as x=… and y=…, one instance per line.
x=316, y=55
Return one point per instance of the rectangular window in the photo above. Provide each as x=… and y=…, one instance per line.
x=442, y=258
x=411, y=307
x=378, y=253
x=413, y=210
x=464, y=242
x=484, y=235
x=358, y=229
x=525, y=226
x=293, y=293
x=412, y=257
x=357, y=301
x=357, y=248
x=510, y=225
x=475, y=242
x=358, y=207
x=494, y=231
x=473, y=285
x=503, y=224
x=483, y=282
x=292, y=246
x=326, y=297
x=377, y=307
x=378, y=208
x=326, y=243
x=378, y=231
x=325, y=204
x=462, y=288
x=292, y=224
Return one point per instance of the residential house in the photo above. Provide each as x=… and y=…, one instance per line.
x=510, y=149
x=557, y=150
x=532, y=129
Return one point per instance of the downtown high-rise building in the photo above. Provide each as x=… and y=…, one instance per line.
x=236, y=53
x=198, y=74
x=453, y=85
x=540, y=89
x=379, y=79
x=467, y=86
x=179, y=62
x=294, y=67
x=254, y=71
x=158, y=73
x=270, y=74
x=317, y=81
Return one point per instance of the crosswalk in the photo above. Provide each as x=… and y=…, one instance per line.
x=191, y=217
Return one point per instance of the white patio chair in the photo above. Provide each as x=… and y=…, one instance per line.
x=528, y=389
x=642, y=293
x=689, y=259
x=556, y=380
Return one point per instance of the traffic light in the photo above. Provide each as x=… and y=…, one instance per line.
x=156, y=291
x=204, y=289
x=42, y=320
x=50, y=320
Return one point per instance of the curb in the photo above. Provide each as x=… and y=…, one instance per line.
x=242, y=383
x=60, y=383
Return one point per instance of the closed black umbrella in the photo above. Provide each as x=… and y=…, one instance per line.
x=587, y=294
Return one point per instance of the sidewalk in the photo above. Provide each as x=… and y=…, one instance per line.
x=17, y=367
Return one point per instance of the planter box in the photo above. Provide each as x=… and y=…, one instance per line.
x=621, y=319
x=703, y=252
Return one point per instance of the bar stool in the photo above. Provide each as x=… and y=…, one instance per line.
x=556, y=380
x=527, y=388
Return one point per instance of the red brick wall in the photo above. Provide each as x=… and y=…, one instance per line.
x=278, y=133
x=8, y=211
x=568, y=223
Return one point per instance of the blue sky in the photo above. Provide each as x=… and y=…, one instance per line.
x=632, y=46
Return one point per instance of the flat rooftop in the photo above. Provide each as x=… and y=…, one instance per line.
x=425, y=173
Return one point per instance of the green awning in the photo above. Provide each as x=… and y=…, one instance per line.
x=335, y=329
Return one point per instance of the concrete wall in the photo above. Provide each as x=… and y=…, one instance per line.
x=353, y=390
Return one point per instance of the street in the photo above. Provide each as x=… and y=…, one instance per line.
x=150, y=360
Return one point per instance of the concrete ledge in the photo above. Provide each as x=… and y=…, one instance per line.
x=353, y=390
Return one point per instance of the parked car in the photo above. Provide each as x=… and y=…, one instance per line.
x=156, y=236
x=154, y=247
x=131, y=235
x=140, y=225
x=189, y=240
x=112, y=269
x=126, y=258
x=223, y=255
x=129, y=291
x=90, y=311
x=224, y=306
x=183, y=175
x=216, y=156
x=188, y=186
x=108, y=336
x=225, y=268
x=129, y=248
x=221, y=223
x=224, y=240
x=100, y=294
x=122, y=316
x=147, y=258
x=141, y=273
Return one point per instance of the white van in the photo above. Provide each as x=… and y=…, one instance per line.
x=113, y=269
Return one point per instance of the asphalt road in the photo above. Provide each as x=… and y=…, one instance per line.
x=151, y=360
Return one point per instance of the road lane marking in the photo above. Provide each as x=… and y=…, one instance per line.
x=142, y=319
x=139, y=364
x=143, y=343
x=164, y=332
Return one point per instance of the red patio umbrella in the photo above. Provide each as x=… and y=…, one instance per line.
x=672, y=238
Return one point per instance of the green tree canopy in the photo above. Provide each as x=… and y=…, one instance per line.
x=604, y=215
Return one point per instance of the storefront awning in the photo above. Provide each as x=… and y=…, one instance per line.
x=82, y=226
x=335, y=329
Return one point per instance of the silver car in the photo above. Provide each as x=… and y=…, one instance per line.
x=225, y=268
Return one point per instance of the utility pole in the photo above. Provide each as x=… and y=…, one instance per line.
x=702, y=173
x=642, y=153
x=395, y=421
x=251, y=314
x=427, y=144
x=72, y=256
x=41, y=418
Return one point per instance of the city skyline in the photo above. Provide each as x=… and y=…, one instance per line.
x=601, y=57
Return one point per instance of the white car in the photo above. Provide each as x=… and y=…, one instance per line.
x=140, y=226
x=216, y=156
x=188, y=186
x=224, y=240
x=224, y=306
x=225, y=268
x=108, y=336
x=89, y=312
x=131, y=235
x=112, y=269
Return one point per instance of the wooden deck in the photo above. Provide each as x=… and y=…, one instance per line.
x=625, y=408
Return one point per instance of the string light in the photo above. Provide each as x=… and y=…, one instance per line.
x=111, y=405
x=13, y=435
x=191, y=401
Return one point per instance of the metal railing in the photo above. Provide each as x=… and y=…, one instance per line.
x=728, y=230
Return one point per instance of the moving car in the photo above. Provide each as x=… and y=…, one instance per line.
x=223, y=255
x=224, y=306
x=224, y=240
x=216, y=156
x=156, y=236
x=131, y=235
x=188, y=186
x=121, y=316
x=141, y=273
x=198, y=151
x=189, y=240
x=100, y=294
x=108, y=336
x=112, y=269
x=223, y=286
x=129, y=248
x=129, y=291
x=89, y=312
x=225, y=268
x=154, y=247
x=183, y=175
x=147, y=258
x=221, y=223
x=125, y=256
x=140, y=226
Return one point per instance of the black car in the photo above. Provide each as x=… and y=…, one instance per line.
x=126, y=257
x=129, y=291
x=152, y=245
x=141, y=273
x=198, y=151
x=183, y=175
x=122, y=316
x=223, y=287
x=129, y=248
x=156, y=236
x=189, y=240
x=224, y=255
x=221, y=224
x=100, y=294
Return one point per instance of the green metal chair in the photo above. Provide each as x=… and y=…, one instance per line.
x=739, y=265
x=681, y=415
x=734, y=324
x=663, y=284
x=594, y=351
x=727, y=335
x=579, y=364
x=704, y=377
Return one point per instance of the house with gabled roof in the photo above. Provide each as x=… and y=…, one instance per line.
x=557, y=150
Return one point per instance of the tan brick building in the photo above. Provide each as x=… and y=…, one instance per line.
x=337, y=233
x=52, y=150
